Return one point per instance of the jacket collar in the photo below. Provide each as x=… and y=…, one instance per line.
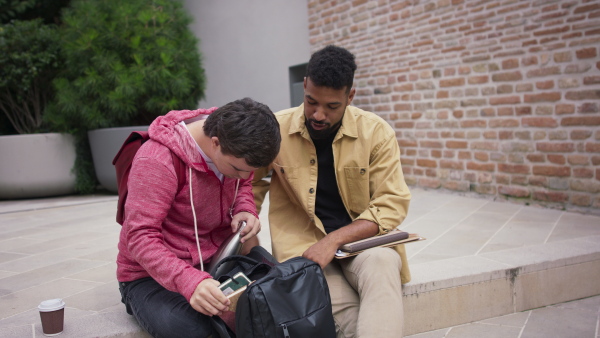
x=348, y=127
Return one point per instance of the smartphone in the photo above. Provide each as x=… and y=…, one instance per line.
x=238, y=281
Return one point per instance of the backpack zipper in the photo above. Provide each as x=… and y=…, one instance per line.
x=286, y=334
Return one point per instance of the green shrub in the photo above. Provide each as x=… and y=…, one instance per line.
x=127, y=62
x=29, y=60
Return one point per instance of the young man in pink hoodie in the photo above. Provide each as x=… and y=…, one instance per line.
x=171, y=232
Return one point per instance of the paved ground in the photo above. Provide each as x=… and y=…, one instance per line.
x=576, y=319
x=66, y=247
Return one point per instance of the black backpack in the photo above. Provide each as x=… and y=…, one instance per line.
x=288, y=299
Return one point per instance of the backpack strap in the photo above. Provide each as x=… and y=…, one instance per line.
x=179, y=171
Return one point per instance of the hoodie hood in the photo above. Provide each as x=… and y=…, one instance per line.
x=168, y=131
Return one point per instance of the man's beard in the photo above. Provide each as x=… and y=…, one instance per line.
x=323, y=133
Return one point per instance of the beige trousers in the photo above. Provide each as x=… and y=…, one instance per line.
x=366, y=294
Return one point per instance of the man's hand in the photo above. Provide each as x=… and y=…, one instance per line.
x=208, y=299
x=252, y=225
x=322, y=252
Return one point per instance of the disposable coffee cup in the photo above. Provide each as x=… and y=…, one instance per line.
x=52, y=313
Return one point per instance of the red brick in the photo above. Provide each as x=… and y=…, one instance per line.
x=473, y=124
x=580, y=121
x=545, y=84
x=403, y=107
x=479, y=79
x=578, y=160
x=404, y=125
x=505, y=100
x=587, y=8
x=562, y=109
x=525, y=110
x=451, y=165
x=552, y=31
x=407, y=143
x=510, y=64
x=513, y=168
x=510, y=76
x=431, y=144
x=504, y=123
x=583, y=95
x=562, y=57
x=540, y=122
x=590, y=80
x=464, y=155
x=519, y=179
x=429, y=183
x=583, y=172
x=586, y=53
x=592, y=147
x=582, y=200
x=505, y=111
x=442, y=94
x=550, y=196
x=504, y=89
x=514, y=191
x=405, y=87
x=544, y=72
x=530, y=60
x=452, y=82
x=482, y=156
x=493, y=146
x=456, y=144
x=588, y=107
x=542, y=97
x=553, y=147
x=481, y=166
x=456, y=185
x=545, y=170
x=485, y=189
x=556, y=159
x=421, y=162
x=536, y=158
x=580, y=134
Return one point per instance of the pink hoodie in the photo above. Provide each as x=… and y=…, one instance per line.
x=157, y=239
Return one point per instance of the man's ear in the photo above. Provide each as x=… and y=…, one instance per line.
x=351, y=95
x=214, y=141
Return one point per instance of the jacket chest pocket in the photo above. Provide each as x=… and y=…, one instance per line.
x=357, y=183
x=288, y=176
x=286, y=172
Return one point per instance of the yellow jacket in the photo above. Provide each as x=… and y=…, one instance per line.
x=369, y=178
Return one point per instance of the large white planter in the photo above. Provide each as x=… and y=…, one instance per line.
x=36, y=165
x=105, y=143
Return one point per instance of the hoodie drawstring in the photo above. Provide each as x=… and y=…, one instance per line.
x=237, y=185
x=195, y=220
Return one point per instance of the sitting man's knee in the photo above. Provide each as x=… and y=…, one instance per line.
x=381, y=257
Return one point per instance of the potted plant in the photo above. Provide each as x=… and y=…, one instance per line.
x=127, y=62
x=35, y=163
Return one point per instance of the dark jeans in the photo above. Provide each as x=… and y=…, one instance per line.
x=163, y=313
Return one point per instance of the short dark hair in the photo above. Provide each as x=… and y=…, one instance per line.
x=332, y=67
x=246, y=129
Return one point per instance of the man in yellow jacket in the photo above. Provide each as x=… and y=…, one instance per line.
x=338, y=179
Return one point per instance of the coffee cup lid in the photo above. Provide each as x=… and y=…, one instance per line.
x=51, y=305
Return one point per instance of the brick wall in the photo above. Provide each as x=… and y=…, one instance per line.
x=496, y=98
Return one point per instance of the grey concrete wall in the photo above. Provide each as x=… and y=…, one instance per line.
x=248, y=46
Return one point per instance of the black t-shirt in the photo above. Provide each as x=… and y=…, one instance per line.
x=329, y=206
